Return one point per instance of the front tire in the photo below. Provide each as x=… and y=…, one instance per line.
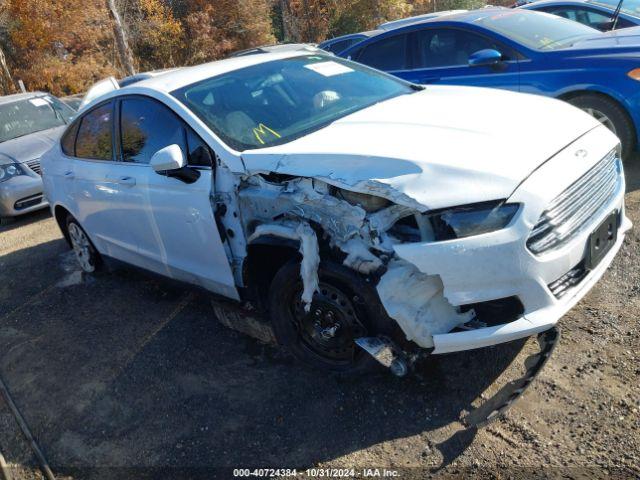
x=608, y=112
x=345, y=307
x=86, y=254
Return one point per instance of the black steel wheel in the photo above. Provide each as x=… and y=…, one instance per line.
x=344, y=308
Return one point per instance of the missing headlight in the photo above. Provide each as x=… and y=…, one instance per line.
x=369, y=203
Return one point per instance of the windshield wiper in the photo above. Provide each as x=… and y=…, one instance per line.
x=616, y=15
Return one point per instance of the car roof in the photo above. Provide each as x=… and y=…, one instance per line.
x=173, y=80
x=393, y=24
x=464, y=16
x=594, y=3
x=367, y=34
x=563, y=2
x=16, y=97
x=280, y=47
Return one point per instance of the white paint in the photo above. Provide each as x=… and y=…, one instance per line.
x=416, y=301
x=359, y=257
x=437, y=148
x=442, y=147
x=308, y=249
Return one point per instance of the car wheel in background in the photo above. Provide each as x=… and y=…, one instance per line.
x=86, y=254
x=611, y=115
x=344, y=308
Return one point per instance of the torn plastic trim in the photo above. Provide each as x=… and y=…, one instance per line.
x=226, y=212
x=345, y=226
x=497, y=405
x=417, y=303
x=309, y=250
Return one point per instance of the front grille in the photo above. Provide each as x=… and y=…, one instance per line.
x=35, y=166
x=570, y=211
x=569, y=280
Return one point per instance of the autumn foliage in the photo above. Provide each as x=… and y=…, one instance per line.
x=64, y=46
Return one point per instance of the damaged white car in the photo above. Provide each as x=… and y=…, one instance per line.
x=359, y=212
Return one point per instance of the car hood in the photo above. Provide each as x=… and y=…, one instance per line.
x=625, y=37
x=28, y=147
x=437, y=148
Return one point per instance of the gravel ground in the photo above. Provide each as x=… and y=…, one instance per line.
x=121, y=374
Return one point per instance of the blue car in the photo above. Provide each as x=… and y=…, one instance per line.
x=593, y=13
x=524, y=51
x=338, y=44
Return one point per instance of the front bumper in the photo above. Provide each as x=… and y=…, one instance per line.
x=20, y=195
x=498, y=265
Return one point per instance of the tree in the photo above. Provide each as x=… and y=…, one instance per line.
x=6, y=80
x=212, y=31
x=124, y=51
x=156, y=36
x=62, y=46
x=360, y=15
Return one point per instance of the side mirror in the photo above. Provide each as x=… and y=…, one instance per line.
x=483, y=58
x=168, y=159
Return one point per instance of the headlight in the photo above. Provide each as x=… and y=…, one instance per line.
x=10, y=170
x=469, y=220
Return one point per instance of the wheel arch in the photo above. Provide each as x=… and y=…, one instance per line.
x=567, y=96
x=61, y=213
x=265, y=256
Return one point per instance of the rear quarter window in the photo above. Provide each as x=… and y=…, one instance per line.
x=68, y=141
x=95, y=134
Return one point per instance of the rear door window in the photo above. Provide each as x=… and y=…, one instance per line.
x=342, y=45
x=387, y=54
x=95, y=139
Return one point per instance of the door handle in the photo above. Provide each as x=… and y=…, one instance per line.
x=69, y=175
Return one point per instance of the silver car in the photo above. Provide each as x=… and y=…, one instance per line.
x=30, y=124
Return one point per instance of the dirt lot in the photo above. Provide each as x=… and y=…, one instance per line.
x=120, y=374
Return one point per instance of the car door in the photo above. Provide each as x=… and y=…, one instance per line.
x=94, y=197
x=172, y=219
x=389, y=54
x=441, y=55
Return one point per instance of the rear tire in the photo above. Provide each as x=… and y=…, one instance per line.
x=86, y=254
x=608, y=112
x=345, y=308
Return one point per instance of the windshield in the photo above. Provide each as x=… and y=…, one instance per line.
x=631, y=7
x=537, y=30
x=277, y=101
x=24, y=117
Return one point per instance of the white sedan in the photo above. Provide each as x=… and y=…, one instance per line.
x=354, y=209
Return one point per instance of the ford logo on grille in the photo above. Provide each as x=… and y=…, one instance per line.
x=581, y=153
